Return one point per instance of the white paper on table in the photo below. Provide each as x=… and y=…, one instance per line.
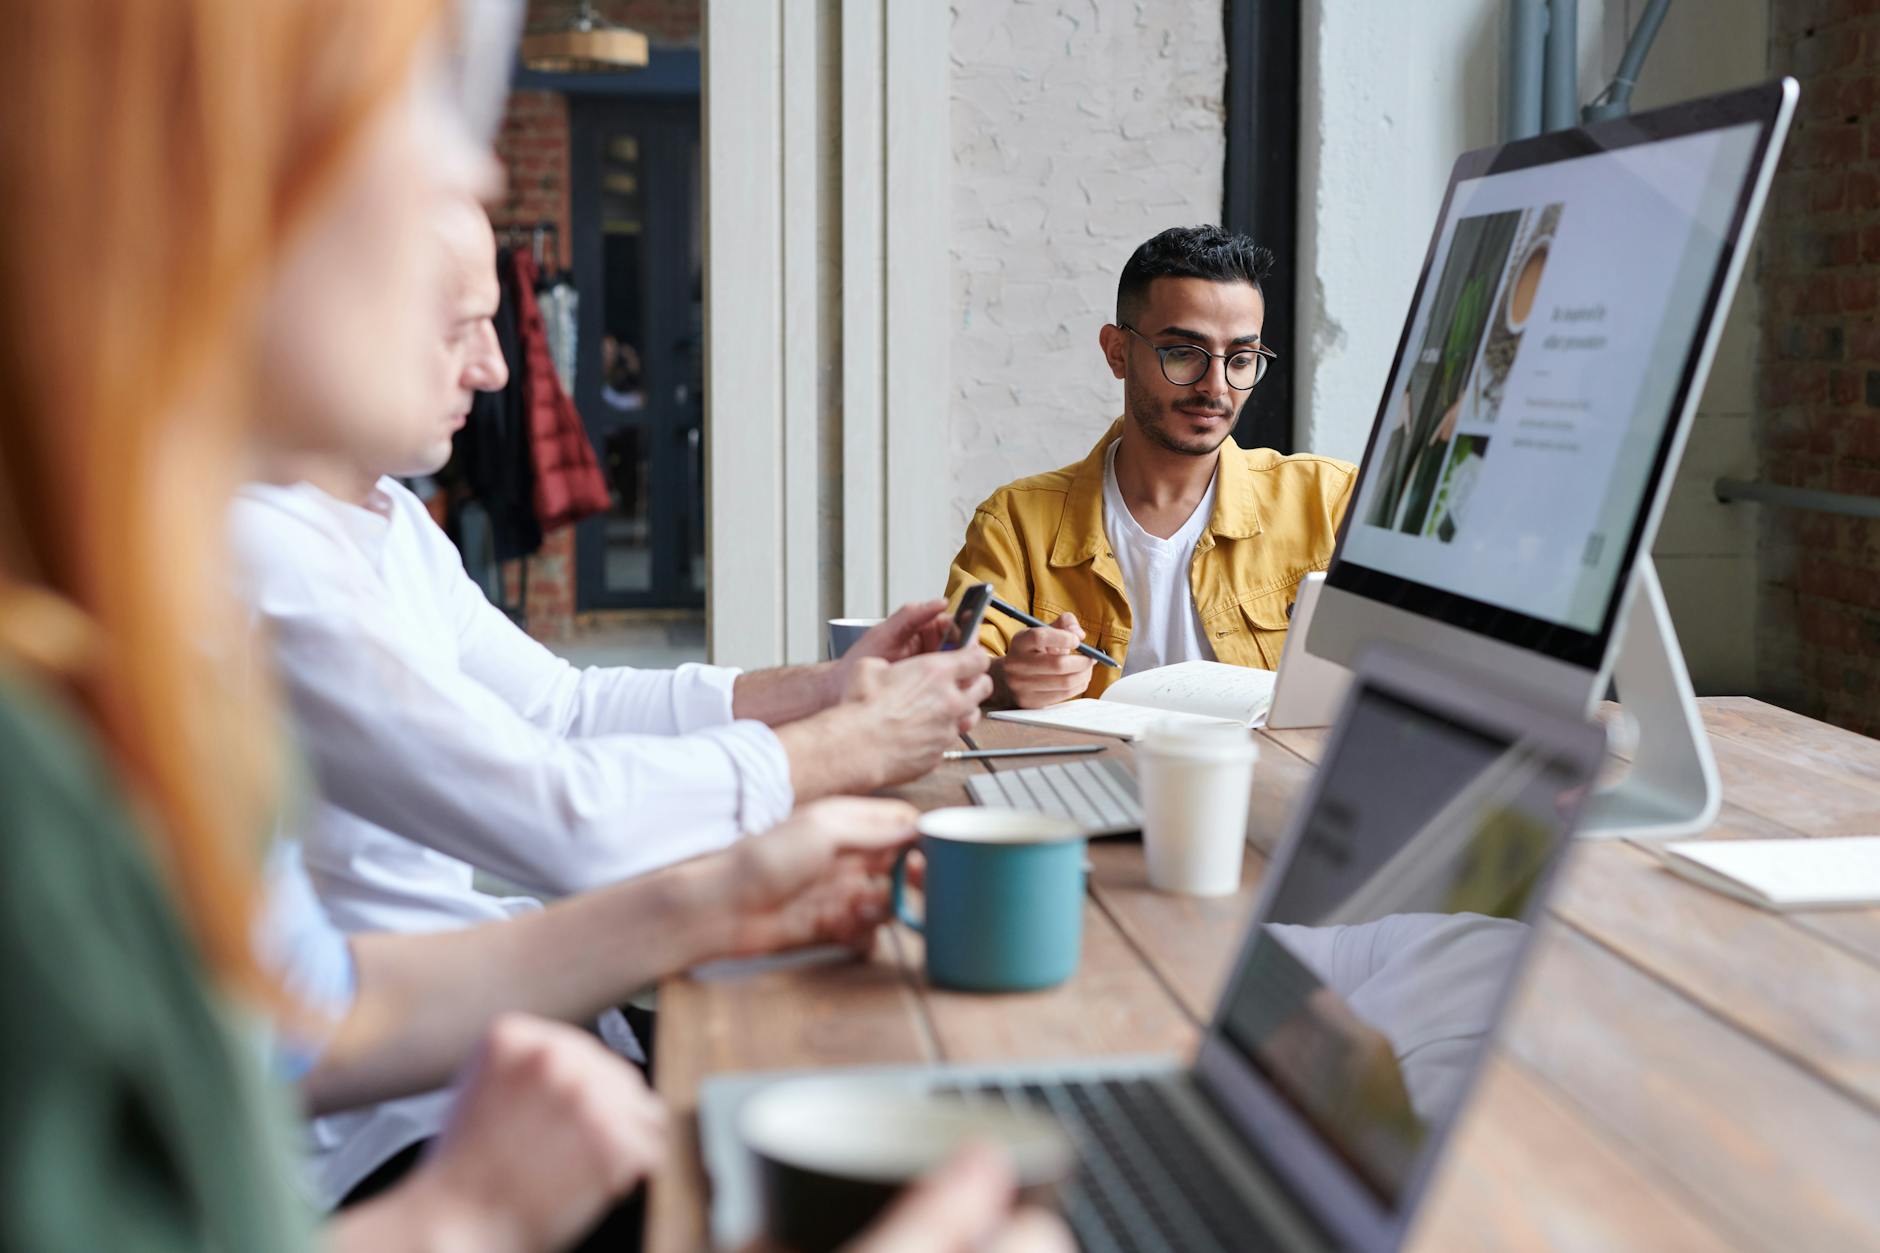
x=1784, y=874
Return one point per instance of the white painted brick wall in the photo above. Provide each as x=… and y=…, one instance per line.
x=1079, y=130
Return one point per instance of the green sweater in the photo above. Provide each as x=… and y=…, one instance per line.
x=131, y=1116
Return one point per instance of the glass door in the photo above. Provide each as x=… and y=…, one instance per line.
x=638, y=262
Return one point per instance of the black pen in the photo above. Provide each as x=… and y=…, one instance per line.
x=1095, y=654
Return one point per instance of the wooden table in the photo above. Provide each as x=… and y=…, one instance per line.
x=1681, y=1071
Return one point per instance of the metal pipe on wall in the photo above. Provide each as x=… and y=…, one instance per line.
x=1561, y=89
x=1524, y=70
x=1616, y=100
x=1847, y=504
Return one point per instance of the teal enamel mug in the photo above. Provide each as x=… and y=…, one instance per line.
x=1004, y=898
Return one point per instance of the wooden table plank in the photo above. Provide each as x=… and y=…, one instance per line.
x=1786, y=986
x=1786, y=1161
x=1189, y=941
x=1760, y=779
x=1818, y=746
x=1526, y=1172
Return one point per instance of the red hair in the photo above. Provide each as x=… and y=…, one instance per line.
x=159, y=155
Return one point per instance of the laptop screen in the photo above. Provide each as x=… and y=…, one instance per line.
x=1367, y=995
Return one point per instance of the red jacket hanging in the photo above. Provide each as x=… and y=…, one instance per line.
x=569, y=485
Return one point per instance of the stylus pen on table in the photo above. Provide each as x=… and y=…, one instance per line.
x=1043, y=750
x=1095, y=654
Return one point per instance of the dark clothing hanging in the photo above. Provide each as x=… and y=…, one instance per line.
x=491, y=459
x=569, y=485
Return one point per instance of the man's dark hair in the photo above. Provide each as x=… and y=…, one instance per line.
x=1209, y=252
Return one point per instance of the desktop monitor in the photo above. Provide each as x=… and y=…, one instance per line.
x=1561, y=331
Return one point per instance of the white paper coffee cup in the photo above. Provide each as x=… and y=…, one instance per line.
x=1195, y=783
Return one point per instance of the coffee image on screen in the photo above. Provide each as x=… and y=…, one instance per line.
x=1448, y=514
x=1423, y=418
x=1519, y=292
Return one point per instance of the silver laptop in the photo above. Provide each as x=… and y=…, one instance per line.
x=1390, y=931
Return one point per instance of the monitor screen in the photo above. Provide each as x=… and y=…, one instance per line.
x=1366, y=996
x=1553, y=337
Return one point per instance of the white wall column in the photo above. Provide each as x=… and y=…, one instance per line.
x=864, y=174
x=770, y=331
x=919, y=299
x=744, y=333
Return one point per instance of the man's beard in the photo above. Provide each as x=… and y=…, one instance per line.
x=1158, y=421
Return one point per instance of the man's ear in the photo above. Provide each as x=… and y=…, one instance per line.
x=1115, y=343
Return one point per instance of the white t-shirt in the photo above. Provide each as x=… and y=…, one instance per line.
x=1166, y=627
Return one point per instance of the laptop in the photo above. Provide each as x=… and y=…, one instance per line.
x=1390, y=931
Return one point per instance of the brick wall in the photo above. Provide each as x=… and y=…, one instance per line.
x=1818, y=422
x=533, y=146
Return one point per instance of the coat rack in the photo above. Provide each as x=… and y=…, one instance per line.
x=535, y=236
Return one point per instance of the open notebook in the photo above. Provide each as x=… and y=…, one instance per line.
x=1189, y=691
x=1784, y=874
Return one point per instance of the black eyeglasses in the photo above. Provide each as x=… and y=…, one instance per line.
x=1184, y=364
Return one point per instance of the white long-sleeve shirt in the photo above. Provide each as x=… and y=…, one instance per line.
x=445, y=740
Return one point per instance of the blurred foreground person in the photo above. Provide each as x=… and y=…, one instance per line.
x=175, y=178
x=167, y=172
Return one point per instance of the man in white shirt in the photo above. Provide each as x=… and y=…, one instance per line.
x=445, y=740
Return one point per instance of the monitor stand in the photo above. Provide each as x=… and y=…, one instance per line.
x=1671, y=790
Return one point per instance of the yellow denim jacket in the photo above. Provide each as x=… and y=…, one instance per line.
x=1040, y=542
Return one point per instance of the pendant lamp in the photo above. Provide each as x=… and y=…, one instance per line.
x=584, y=44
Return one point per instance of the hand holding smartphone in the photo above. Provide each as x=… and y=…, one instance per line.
x=966, y=619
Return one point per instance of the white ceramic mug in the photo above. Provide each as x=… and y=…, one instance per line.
x=843, y=632
x=1195, y=783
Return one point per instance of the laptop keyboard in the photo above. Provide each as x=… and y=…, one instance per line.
x=1144, y=1184
x=1099, y=796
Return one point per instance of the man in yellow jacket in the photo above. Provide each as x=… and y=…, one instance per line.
x=1168, y=542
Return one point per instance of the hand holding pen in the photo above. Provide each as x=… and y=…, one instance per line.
x=1065, y=622
x=1046, y=664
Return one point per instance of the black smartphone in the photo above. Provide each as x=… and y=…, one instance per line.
x=966, y=619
